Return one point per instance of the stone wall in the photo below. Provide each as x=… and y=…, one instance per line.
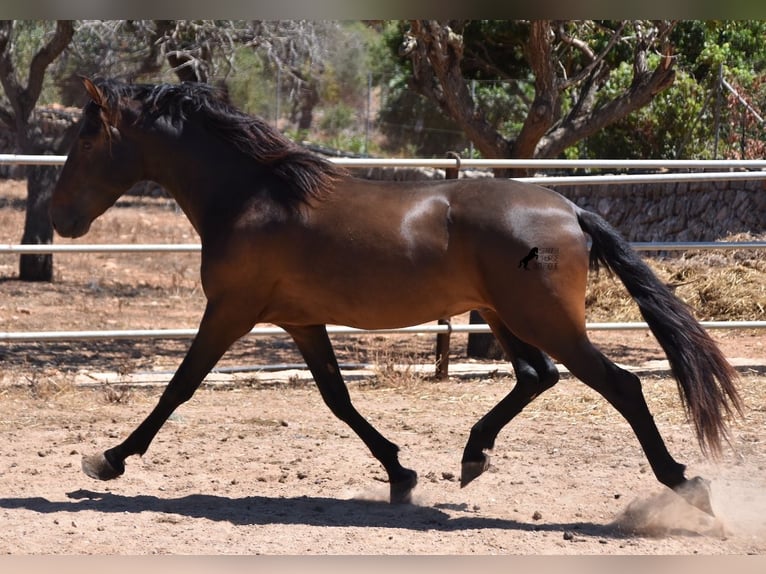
x=696, y=211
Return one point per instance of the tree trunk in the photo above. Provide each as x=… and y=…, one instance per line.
x=307, y=100
x=32, y=139
x=38, y=229
x=187, y=69
x=482, y=345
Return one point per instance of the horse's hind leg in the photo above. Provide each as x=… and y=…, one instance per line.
x=535, y=373
x=317, y=351
x=622, y=390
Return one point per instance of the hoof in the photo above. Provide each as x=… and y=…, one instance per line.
x=401, y=490
x=473, y=469
x=696, y=492
x=98, y=466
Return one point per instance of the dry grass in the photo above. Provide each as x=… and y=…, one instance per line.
x=396, y=364
x=719, y=285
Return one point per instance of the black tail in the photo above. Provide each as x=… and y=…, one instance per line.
x=705, y=378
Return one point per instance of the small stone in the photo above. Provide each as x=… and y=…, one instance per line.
x=537, y=515
x=568, y=535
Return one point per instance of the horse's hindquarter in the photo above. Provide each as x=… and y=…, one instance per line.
x=386, y=255
x=532, y=254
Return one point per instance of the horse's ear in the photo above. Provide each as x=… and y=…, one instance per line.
x=94, y=92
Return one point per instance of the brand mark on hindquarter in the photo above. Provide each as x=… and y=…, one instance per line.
x=540, y=258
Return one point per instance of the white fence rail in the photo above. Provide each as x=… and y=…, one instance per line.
x=745, y=170
x=196, y=247
x=426, y=328
x=748, y=169
x=445, y=163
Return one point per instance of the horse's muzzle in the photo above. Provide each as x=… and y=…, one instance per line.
x=68, y=225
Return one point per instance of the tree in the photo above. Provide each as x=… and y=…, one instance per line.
x=685, y=120
x=566, y=62
x=132, y=50
x=22, y=96
x=313, y=62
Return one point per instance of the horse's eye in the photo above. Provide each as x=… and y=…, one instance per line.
x=87, y=145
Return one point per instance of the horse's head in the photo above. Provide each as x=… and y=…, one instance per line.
x=101, y=165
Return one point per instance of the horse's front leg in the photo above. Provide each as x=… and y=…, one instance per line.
x=317, y=351
x=221, y=326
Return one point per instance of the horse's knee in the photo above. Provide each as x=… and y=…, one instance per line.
x=549, y=374
x=538, y=378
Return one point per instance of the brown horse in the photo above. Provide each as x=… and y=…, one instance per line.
x=290, y=239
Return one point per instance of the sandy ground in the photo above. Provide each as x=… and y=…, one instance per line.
x=266, y=469
x=256, y=464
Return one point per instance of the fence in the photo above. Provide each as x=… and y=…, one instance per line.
x=747, y=170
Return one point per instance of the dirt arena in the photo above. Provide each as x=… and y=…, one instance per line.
x=256, y=464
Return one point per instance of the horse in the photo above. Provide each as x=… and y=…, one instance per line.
x=290, y=238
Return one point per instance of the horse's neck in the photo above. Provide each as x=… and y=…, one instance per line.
x=205, y=176
x=190, y=210
x=183, y=174
x=183, y=190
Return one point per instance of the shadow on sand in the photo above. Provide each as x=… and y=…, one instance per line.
x=305, y=510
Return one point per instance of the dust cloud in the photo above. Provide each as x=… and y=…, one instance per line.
x=740, y=510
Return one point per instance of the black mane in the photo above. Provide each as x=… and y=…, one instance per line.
x=306, y=174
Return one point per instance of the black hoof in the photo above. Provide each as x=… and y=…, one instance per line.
x=401, y=490
x=473, y=469
x=696, y=492
x=98, y=466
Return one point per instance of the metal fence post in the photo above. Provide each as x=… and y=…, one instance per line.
x=443, y=339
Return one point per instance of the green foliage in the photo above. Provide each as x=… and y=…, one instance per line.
x=494, y=49
x=28, y=37
x=680, y=122
x=252, y=86
x=413, y=126
x=340, y=78
x=347, y=66
x=504, y=103
x=337, y=118
x=672, y=123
